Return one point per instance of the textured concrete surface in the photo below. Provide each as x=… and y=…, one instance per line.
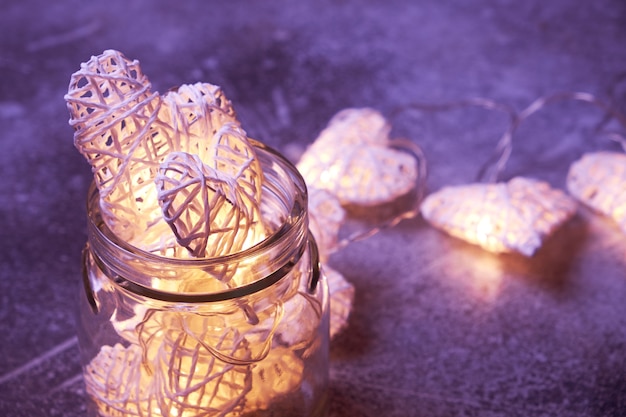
x=440, y=328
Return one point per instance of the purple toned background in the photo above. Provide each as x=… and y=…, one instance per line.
x=439, y=328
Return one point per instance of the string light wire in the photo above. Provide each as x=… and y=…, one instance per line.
x=493, y=168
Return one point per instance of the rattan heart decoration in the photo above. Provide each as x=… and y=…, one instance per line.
x=503, y=217
x=203, y=205
x=206, y=125
x=353, y=158
x=126, y=132
x=599, y=181
x=325, y=218
x=198, y=110
x=114, y=115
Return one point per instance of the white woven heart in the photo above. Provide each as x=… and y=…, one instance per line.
x=503, y=217
x=114, y=378
x=325, y=218
x=114, y=115
x=341, y=299
x=204, y=125
x=599, y=181
x=210, y=214
x=195, y=113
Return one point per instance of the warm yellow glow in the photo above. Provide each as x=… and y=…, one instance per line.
x=209, y=212
x=123, y=385
x=329, y=175
x=325, y=219
x=173, y=367
x=503, y=217
x=178, y=362
x=484, y=278
x=278, y=374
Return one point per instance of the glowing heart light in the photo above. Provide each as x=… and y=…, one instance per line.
x=517, y=216
x=503, y=217
x=209, y=214
x=599, y=181
x=273, y=378
x=114, y=378
x=195, y=113
x=353, y=158
x=342, y=299
x=204, y=124
x=326, y=215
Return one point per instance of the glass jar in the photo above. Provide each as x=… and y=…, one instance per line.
x=206, y=349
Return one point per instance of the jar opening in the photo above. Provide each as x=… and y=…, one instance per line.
x=284, y=200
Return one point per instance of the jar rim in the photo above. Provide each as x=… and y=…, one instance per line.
x=100, y=230
x=229, y=294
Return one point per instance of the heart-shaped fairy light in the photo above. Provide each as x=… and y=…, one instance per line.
x=208, y=212
x=114, y=378
x=196, y=112
x=114, y=115
x=503, y=217
x=342, y=298
x=170, y=371
x=352, y=158
x=278, y=375
x=191, y=361
x=599, y=180
x=352, y=163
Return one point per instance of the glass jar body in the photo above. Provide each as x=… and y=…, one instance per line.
x=164, y=337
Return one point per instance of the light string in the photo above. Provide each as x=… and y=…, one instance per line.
x=493, y=168
x=505, y=145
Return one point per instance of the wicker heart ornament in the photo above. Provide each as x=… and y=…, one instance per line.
x=599, y=181
x=353, y=159
x=504, y=217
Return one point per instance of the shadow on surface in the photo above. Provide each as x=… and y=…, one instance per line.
x=552, y=264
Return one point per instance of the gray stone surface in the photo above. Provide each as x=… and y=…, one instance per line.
x=440, y=328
